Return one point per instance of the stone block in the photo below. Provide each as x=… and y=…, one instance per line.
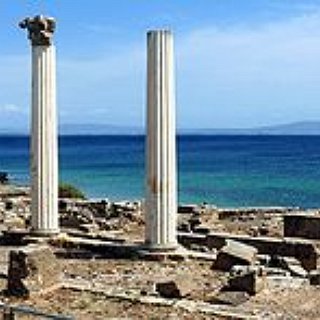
x=14, y=237
x=89, y=227
x=202, y=229
x=184, y=227
x=177, y=288
x=303, y=250
x=188, y=209
x=187, y=239
x=245, y=280
x=234, y=253
x=302, y=226
x=32, y=270
x=232, y=298
x=264, y=259
x=297, y=271
x=293, y=265
x=195, y=221
x=276, y=272
x=314, y=277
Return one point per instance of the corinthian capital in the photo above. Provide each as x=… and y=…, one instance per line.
x=40, y=30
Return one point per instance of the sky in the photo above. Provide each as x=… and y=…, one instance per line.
x=239, y=64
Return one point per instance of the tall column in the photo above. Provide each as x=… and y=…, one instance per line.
x=161, y=184
x=44, y=147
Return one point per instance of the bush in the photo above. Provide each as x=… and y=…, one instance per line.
x=4, y=177
x=67, y=190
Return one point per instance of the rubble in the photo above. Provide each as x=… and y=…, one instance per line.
x=177, y=288
x=245, y=279
x=293, y=266
x=304, y=250
x=248, y=267
x=188, y=208
x=314, y=277
x=302, y=225
x=202, y=229
x=232, y=298
x=32, y=270
x=297, y=271
x=234, y=253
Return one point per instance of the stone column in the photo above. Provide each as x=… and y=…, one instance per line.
x=161, y=181
x=44, y=147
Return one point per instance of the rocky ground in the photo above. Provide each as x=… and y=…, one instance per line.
x=96, y=286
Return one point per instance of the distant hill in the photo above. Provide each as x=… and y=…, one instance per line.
x=296, y=128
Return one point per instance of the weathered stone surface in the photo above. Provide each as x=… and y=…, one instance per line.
x=188, y=208
x=285, y=262
x=202, y=229
x=177, y=288
x=187, y=239
x=314, y=277
x=184, y=227
x=297, y=271
x=263, y=230
x=245, y=280
x=32, y=270
x=40, y=30
x=264, y=259
x=195, y=247
x=233, y=298
x=14, y=237
x=234, y=253
x=294, y=266
x=239, y=269
x=303, y=225
x=44, y=138
x=271, y=272
x=304, y=250
x=88, y=227
x=195, y=221
x=161, y=186
x=286, y=282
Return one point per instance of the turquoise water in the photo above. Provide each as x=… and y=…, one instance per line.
x=224, y=170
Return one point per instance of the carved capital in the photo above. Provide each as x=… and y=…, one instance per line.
x=40, y=30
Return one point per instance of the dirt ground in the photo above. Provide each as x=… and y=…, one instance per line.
x=296, y=300
x=116, y=286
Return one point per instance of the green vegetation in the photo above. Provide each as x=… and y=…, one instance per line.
x=67, y=190
x=4, y=177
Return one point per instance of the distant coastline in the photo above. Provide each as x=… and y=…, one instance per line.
x=302, y=128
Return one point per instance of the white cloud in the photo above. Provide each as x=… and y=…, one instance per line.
x=245, y=76
x=11, y=108
x=236, y=76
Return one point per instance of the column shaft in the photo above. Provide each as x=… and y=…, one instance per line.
x=44, y=150
x=161, y=185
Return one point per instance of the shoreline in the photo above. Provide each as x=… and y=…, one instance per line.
x=99, y=250
x=12, y=188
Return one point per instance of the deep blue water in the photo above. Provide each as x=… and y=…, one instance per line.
x=223, y=170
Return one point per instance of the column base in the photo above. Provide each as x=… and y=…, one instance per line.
x=44, y=233
x=160, y=247
x=172, y=251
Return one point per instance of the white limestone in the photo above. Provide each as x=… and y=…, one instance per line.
x=44, y=151
x=44, y=146
x=161, y=181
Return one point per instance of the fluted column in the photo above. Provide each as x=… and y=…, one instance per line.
x=44, y=147
x=161, y=181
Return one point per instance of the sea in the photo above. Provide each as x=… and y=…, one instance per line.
x=226, y=171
